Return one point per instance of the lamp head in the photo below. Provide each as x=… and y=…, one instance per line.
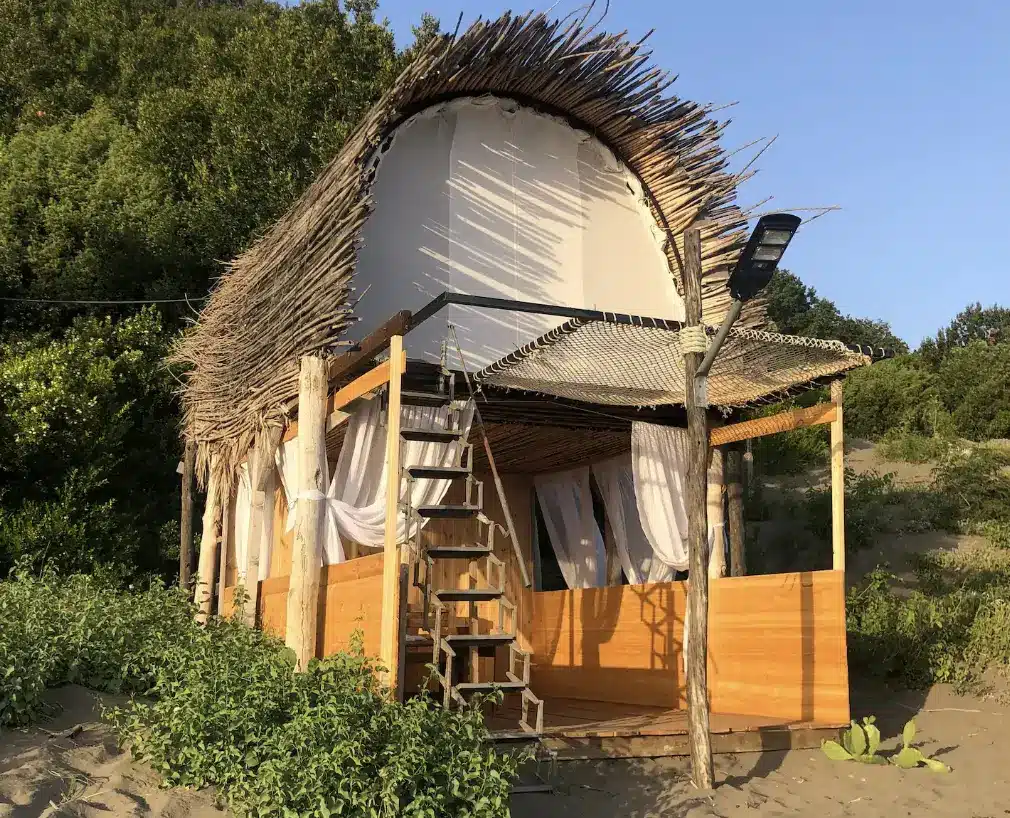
x=765, y=247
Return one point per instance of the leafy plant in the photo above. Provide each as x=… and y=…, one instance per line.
x=861, y=741
x=908, y=756
x=223, y=707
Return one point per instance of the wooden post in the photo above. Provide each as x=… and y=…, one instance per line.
x=837, y=481
x=186, y=523
x=697, y=593
x=715, y=516
x=263, y=486
x=307, y=551
x=734, y=497
x=227, y=502
x=389, y=648
x=203, y=591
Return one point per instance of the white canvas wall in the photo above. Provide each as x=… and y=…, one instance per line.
x=484, y=197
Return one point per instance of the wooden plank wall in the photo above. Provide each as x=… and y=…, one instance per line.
x=776, y=645
x=350, y=599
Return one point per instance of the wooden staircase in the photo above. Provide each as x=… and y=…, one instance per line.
x=455, y=653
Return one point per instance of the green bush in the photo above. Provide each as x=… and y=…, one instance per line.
x=223, y=706
x=976, y=480
x=913, y=448
x=952, y=628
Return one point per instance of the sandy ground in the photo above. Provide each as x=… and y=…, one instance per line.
x=969, y=735
x=47, y=772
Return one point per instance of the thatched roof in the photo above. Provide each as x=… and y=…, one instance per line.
x=287, y=296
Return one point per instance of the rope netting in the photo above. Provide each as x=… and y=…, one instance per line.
x=641, y=363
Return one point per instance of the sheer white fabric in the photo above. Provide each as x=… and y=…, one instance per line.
x=716, y=518
x=356, y=497
x=616, y=480
x=243, y=507
x=566, y=503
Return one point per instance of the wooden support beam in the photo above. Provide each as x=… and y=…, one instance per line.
x=307, y=550
x=837, y=481
x=360, y=387
x=186, y=522
x=773, y=424
x=734, y=504
x=697, y=596
x=203, y=591
x=389, y=649
x=370, y=346
x=263, y=485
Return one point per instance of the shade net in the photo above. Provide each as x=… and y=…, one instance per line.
x=640, y=362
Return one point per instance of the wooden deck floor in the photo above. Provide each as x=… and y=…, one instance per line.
x=591, y=729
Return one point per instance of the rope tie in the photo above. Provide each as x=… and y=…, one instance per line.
x=693, y=339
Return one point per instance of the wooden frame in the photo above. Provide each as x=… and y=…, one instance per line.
x=773, y=424
x=389, y=653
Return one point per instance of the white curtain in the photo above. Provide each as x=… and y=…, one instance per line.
x=616, y=480
x=659, y=466
x=356, y=497
x=243, y=506
x=566, y=503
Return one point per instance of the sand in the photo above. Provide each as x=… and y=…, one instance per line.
x=969, y=735
x=55, y=770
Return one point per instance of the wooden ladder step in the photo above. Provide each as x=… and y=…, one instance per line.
x=467, y=640
x=438, y=472
x=411, y=398
x=513, y=737
x=458, y=552
x=455, y=512
x=468, y=688
x=468, y=594
x=430, y=435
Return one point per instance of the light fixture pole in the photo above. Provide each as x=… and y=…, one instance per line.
x=751, y=274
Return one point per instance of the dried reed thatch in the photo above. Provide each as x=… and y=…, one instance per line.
x=287, y=296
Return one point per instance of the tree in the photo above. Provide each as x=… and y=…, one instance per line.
x=796, y=309
x=88, y=446
x=974, y=323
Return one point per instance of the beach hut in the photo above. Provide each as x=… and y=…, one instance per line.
x=441, y=402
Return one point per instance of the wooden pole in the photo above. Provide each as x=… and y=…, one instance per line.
x=715, y=516
x=734, y=497
x=263, y=486
x=389, y=641
x=837, y=481
x=186, y=523
x=307, y=550
x=697, y=525
x=227, y=502
x=203, y=591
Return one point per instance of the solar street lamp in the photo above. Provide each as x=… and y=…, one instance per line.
x=753, y=270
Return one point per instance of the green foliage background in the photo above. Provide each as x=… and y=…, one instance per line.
x=142, y=142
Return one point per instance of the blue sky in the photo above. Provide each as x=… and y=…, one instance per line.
x=897, y=111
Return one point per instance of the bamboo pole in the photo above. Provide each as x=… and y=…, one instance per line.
x=186, y=523
x=227, y=502
x=697, y=594
x=203, y=591
x=837, y=481
x=264, y=486
x=734, y=497
x=715, y=516
x=389, y=648
x=306, y=553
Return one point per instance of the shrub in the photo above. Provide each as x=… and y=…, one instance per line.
x=224, y=707
x=952, y=628
x=910, y=447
